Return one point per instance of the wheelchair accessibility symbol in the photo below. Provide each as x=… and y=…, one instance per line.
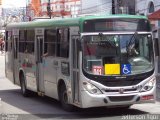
x=126, y=69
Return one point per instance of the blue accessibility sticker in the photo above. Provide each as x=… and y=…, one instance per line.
x=126, y=69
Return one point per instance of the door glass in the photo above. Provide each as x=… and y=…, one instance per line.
x=39, y=48
x=15, y=47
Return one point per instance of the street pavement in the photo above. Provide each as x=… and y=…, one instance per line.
x=14, y=106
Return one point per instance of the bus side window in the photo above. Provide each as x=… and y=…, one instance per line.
x=63, y=43
x=50, y=42
x=22, y=44
x=30, y=41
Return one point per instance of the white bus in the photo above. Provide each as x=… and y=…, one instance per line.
x=90, y=61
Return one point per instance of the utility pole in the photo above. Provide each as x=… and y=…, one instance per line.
x=113, y=7
x=49, y=9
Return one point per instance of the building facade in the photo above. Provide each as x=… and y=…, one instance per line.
x=60, y=8
x=108, y=7
x=72, y=8
x=0, y=8
x=1, y=14
x=146, y=7
x=96, y=7
x=150, y=8
x=124, y=6
x=33, y=9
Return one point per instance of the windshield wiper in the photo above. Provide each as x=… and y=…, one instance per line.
x=130, y=44
x=131, y=39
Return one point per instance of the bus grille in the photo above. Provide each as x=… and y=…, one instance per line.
x=120, y=82
x=121, y=98
x=125, y=90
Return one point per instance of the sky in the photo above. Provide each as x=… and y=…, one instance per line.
x=13, y=3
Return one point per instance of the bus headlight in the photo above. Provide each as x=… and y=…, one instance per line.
x=149, y=85
x=91, y=88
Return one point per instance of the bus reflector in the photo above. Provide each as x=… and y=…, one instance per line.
x=112, y=69
x=147, y=97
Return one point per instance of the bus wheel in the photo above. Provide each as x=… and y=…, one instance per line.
x=64, y=99
x=24, y=90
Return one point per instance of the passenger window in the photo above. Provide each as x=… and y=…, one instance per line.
x=50, y=42
x=63, y=43
x=30, y=41
x=22, y=44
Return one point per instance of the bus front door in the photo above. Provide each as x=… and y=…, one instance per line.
x=75, y=68
x=39, y=62
x=15, y=60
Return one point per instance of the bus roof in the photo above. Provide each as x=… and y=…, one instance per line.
x=67, y=21
x=114, y=16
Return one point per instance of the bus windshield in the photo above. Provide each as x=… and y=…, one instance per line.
x=125, y=54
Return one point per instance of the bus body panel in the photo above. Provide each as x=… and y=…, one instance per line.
x=50, y=70
x=30, y=72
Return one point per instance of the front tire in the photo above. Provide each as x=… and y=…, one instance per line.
x=24, y=90
x=64, y=99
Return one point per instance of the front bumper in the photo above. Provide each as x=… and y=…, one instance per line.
x=91, y=100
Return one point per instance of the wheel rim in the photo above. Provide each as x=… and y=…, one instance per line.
x=65, y=97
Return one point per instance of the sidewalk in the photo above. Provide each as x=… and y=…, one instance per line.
x=2, y=54
x=5, y=84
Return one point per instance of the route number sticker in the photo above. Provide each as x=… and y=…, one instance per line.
x=98, y=70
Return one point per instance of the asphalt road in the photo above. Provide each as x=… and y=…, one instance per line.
x=13, y=106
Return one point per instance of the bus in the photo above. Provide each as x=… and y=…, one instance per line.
x=88, y=61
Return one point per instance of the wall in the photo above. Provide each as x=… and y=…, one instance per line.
x=61, y=8
x=124, y=6
x=142, y=6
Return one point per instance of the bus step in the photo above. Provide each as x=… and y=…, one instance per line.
x=76, y=102
x=41, y=93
